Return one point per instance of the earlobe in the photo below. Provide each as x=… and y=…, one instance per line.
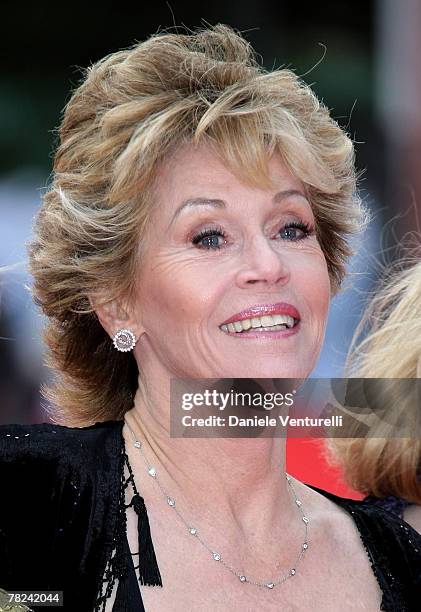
x=112, y=315
x=124, y=340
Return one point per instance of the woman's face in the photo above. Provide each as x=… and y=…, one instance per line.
x=218, y=247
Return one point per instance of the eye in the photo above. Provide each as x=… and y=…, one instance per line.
x=210, y=238
x=295, y=231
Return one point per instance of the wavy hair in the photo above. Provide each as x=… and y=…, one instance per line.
x=376, y=465
x=130, y=111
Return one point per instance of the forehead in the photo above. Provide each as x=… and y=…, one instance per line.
x=192, y=169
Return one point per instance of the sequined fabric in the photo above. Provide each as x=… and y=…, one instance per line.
x=63, y=498
x=393, y=504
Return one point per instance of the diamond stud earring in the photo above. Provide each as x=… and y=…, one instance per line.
x=124, y=340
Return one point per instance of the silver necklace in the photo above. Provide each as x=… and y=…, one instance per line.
x=216, y=556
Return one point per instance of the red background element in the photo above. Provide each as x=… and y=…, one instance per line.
x=306, y=462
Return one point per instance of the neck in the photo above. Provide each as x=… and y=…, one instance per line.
x=235, y=484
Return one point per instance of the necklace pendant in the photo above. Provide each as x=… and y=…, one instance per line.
x=193, y=530
x=171, y=501
x=137, y=444
x=269, y=585
x=152, y=472
x=216, y=556
x=242, y=578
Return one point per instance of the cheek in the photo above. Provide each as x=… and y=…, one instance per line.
x=311, y=279
x=178, y=291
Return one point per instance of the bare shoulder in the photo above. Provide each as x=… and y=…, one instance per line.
x=339, y=549
x=333, y=516
x=322, y=503
x=412, y=515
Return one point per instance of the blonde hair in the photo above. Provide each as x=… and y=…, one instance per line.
x=392, y=349
x=132, y=109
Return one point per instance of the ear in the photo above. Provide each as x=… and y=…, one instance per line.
x=115, y=315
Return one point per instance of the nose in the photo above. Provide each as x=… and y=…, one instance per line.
x=262, y=263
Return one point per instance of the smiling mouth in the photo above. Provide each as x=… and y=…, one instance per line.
x=265, y=323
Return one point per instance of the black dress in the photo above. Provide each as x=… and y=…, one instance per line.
x=63, y=506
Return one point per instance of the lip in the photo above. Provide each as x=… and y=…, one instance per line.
x=282, y=308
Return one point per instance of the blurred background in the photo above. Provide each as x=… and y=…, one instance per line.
x=361, y=58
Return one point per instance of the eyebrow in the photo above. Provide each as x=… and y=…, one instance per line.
x=193, y=202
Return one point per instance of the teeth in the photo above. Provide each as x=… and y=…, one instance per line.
x=273, y=328
x=265, y=322
x=279, y=319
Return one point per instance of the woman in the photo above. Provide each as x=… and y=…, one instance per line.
x=192, y=190
x=388, y=470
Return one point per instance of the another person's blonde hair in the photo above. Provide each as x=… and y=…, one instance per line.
x=133, y=109
x=391, y=349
